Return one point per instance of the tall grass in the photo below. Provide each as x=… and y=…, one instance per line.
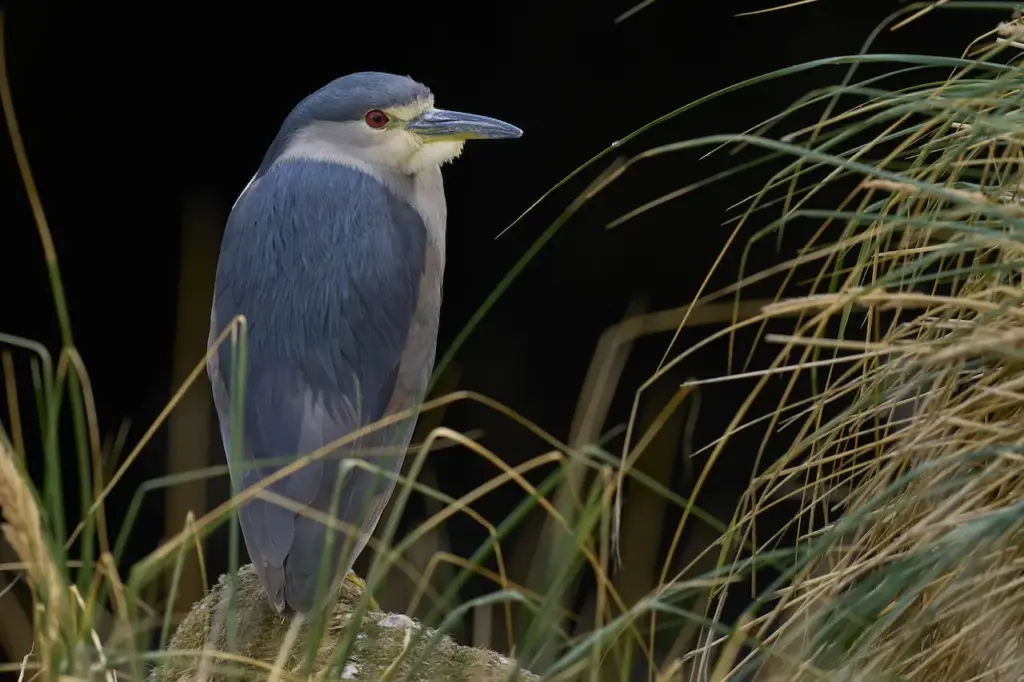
x=905, y=468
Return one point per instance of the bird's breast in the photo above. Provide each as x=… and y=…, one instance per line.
x=427, y=198
x=425, y=193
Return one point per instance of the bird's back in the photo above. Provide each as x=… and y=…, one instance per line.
x=340, y=286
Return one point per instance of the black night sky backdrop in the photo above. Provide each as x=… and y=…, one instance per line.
x=130, y=113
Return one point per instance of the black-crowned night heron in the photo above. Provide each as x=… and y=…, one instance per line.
x=334, y=253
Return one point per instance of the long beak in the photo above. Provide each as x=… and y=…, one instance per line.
x=441, y=124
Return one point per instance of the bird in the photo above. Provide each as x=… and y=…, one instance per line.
x=334, y=253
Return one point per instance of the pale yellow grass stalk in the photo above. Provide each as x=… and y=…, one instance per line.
x=23, y=529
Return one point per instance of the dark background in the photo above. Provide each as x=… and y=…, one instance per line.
x=133, y=113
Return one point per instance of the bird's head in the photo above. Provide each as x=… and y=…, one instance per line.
x=381, y=121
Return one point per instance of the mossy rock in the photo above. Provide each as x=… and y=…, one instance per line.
x=260, y=632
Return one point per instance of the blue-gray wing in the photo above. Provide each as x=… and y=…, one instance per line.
x=325, y=264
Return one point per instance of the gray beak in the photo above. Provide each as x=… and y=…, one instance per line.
x=441, y=124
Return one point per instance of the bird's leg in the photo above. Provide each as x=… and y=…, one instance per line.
x=351, y=577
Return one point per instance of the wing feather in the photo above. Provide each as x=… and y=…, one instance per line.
x=325, y=263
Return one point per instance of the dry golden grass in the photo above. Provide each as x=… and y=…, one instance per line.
x=927, y=561
x=23, y=530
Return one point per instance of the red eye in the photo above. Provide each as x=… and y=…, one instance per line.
x=376, y=118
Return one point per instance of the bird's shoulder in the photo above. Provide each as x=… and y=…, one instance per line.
x=313, y=237
x=335, y=198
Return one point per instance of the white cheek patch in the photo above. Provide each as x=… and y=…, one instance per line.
x=393, y=147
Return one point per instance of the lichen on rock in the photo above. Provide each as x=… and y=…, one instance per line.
x=383, y=639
